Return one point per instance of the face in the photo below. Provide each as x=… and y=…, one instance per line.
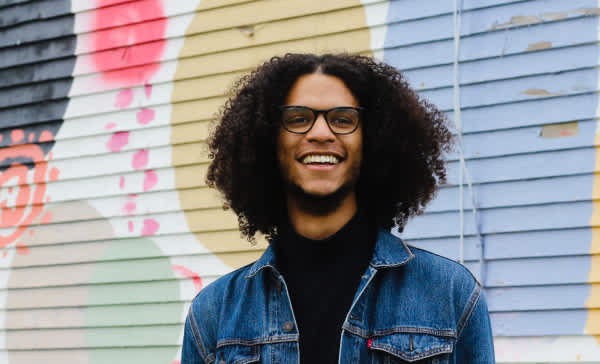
x=320, y=163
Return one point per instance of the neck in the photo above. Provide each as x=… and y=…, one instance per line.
x=317, y=226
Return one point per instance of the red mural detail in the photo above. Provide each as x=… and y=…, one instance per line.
x=4, y=254
x=145, y=116
x=140, y=159
x=120, y=32
x=110, y=126
x=150, y=227
x=18, y=217
x=148, y=90
x=22, y=249
x=17, y=136
x=31, y=232
x=130, y=205
x=47, y=218
x=54, y=173
x=150, y=180
x=130, y=226
x=117, y=141
x=124, y=98
x=189, y=274
x=121, y=182
x=46, y=136
x=1, y=137
x=31, y=137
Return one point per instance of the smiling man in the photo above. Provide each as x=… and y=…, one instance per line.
x=323, y=155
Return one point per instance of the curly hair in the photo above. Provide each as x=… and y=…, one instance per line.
x=404, y=140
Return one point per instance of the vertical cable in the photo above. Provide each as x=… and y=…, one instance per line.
x=463, y=170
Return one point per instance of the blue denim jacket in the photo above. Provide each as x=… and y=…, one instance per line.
x=411, y=306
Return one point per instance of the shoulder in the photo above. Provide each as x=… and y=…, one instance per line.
x=432, y=265
x=450, y=281
x=224, y=289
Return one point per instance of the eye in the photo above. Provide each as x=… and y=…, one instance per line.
x=296, y=119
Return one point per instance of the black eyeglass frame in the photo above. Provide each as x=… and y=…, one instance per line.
x=317, y=112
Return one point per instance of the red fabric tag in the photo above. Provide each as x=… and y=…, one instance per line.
x=369, y=343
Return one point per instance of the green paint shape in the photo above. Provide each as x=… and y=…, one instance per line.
x=124, y=320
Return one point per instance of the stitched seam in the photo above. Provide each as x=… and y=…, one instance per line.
x=399, y=330
x=258, y=341
x=206, y=357
x=469, y=308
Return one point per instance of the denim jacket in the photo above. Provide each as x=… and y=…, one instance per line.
x=412, y=306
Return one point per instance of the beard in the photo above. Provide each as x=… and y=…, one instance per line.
x=319, y=205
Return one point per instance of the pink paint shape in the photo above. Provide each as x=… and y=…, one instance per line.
x=145, y=116
x=31, y=232
x=1, y=137
x=46, y=136
x=54, y=173
x=140, y=159
x=130, y=226
x=189, y=274
x=4, y=254
x=31, y=136
x=121, y=182
x=128, y=40
x=124, y=98
x=130, y=205
x=148, y=90
x=150, y=180
x=17, y=135
x=150, y=227
x=117, y=141
x=22, y=249
x=47, y=218
x=110, y=126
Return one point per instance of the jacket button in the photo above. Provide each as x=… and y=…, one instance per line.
x=288, y=326
x=222, y=362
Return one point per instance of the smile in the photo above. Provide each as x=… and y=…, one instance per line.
x=320, y=158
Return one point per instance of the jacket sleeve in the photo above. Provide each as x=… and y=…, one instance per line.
x=198, y=337
x=190, y=352
x=475, y=343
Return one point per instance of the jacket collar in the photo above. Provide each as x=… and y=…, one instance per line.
x=390, y=251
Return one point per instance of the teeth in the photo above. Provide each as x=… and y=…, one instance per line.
x=313, y=158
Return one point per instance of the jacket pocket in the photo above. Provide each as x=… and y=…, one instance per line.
x=238, y=354
x=411, y=348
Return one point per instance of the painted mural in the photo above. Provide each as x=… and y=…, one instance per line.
x=107, y=229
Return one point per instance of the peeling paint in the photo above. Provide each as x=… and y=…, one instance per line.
x=518, y=20
x=247, y=30
x=538, y=46
x=555, y=16
x=589, y=11
x=562, y=130
x=539, y=92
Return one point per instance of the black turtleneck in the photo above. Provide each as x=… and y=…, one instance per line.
x=322, y=277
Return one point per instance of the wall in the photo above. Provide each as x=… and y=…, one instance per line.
x=108, y=231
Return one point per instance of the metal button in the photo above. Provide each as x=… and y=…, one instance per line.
x=222, y=362
x=288, y=326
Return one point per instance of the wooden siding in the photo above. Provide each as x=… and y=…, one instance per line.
x=108, y=229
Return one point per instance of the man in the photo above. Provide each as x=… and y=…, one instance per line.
x=323, y=155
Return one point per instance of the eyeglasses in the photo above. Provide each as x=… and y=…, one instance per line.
x=300, y=119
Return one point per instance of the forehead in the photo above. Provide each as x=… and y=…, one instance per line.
x=320, y=91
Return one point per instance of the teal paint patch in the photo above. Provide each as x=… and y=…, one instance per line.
x=161, y=321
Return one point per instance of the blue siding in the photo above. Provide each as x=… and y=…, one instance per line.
x=523, y=65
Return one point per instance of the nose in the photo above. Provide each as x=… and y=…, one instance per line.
x=320, y=131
